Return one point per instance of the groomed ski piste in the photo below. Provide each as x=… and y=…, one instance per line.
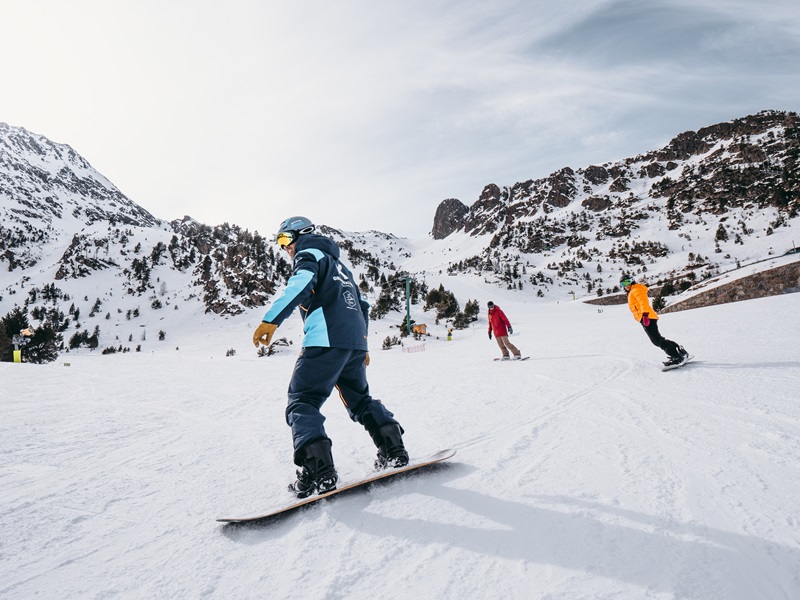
x=584, y=472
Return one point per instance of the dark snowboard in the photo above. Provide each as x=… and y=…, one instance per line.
x=512, y=360
x=436, y=458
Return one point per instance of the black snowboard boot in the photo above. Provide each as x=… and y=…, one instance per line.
x=391, y=451
x=389, y=441
x=317, y=474
x=674, y=361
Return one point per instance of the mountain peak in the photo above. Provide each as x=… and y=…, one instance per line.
x=748, y=160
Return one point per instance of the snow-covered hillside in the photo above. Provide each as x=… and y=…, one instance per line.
x=584, y=472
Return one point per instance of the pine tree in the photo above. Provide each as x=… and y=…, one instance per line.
x=43, y=347
x=14, y=322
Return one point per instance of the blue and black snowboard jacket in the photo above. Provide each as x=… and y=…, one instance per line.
x=335, y=315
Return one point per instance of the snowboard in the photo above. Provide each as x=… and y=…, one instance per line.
x=671, y=367
x=343, y=487
x=512, y=360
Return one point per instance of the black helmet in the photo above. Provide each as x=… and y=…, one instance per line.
x=625, y=280
x=490, y=304
x=291, y=229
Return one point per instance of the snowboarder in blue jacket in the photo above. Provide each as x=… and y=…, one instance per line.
x=334, y=354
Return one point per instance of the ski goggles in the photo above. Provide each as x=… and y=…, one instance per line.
x=285, y=238
x=625, y=283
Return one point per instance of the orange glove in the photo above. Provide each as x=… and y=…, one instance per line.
x=263, y=333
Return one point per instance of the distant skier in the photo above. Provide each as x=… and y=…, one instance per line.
x=334, y=354
x=644, y=314
x=501, y=327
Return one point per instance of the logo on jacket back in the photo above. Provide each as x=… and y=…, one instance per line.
x=342, y=278
x=350, y=300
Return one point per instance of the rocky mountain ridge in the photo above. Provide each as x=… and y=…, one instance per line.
x=715, y=190
x=61, y=216
x=749, y=160
x=46, y=184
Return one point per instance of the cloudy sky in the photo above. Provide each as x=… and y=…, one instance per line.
x=366, y=114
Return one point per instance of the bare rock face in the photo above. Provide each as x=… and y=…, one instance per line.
x=449, y=218
x=597, y=203
x=562, y=188
x=488, y=211
x=596, y=175
x=746, y=164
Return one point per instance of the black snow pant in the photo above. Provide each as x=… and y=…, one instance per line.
x=316, y=373
x=671, y=348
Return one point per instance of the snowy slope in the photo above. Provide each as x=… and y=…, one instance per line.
x=584, y=472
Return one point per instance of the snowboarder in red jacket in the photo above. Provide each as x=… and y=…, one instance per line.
x=501, y=327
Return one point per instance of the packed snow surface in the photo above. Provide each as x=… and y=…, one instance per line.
x=584, y=472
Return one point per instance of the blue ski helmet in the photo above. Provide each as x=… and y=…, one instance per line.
x=291, y=229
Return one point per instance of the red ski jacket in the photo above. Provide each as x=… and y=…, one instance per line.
x=498, y=322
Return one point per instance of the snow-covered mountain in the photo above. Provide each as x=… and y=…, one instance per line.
x=49, y=192
x=77, y=254
x=708, y=201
